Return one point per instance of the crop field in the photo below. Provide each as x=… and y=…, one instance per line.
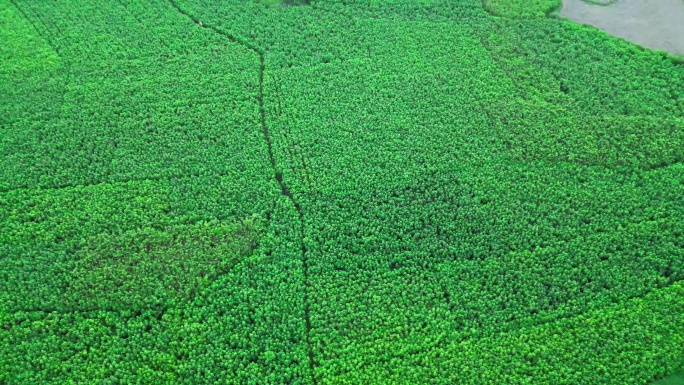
x=336, y=192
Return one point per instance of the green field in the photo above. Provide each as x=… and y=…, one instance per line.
x=675, y=379
x=336, y=192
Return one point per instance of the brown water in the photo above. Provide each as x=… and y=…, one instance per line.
x=657, y=24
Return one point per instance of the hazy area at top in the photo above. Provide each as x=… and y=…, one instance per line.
x=657, y=24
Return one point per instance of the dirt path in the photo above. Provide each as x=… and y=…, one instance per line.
x=657, y=24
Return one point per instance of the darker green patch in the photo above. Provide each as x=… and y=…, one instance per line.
x=296, y=2
x=534, y=133
x=520, y=8
x=674, y=379
x=283, y=3
x=269, y=3
x=149, y=268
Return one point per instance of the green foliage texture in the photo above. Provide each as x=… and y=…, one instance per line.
x=335, y=192
x=521, y=8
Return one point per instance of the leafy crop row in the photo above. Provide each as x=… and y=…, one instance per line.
x=449, y=195
x=520, y=8
x=143, y=234
x=342, y=192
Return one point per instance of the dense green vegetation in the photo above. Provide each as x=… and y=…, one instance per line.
x=335, y=192
x=675, y=379
x=521, y=8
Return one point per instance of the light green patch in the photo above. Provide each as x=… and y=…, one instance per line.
x=28, y=67
x=624, y=343
x=421, y=2
x=111, y=246
x=22, y=50
x=41, y=230
x=538, y=133
x=520, y=8
x=69, y=215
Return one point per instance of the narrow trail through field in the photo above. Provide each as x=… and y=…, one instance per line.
x=277, y=175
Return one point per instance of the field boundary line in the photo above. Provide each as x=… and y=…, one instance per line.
x=277, y=175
